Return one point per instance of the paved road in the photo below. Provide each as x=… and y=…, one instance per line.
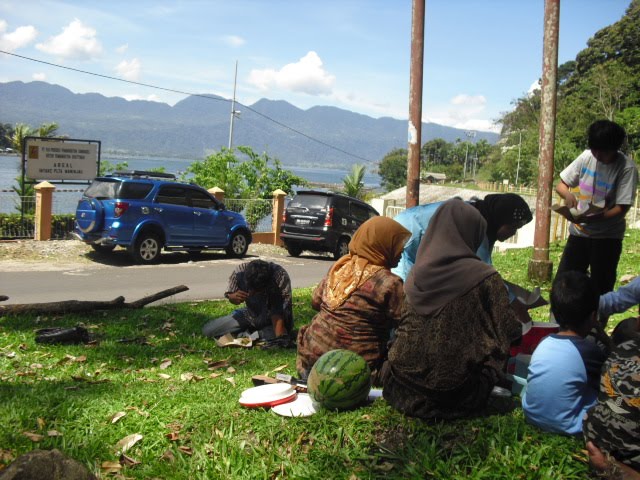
x=206, y=278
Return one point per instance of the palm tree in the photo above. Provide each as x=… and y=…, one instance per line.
x=353, y=183
x=47, y=130
x=22, y=131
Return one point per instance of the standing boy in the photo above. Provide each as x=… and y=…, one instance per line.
x=564, y=373
x=607, y=179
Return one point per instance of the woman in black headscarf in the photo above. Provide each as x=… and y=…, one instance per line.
x=456, y=325
x=505, y=213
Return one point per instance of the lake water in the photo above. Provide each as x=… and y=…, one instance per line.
x=66, y=201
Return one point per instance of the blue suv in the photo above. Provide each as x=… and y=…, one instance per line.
x=146, y=212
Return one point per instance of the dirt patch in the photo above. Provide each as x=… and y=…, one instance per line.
x=54, y=254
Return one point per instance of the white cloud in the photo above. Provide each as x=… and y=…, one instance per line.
x=134, y=96
x=463, y=111
x=39, y=76
x=306, y=76
x=122, y=48
x=20, y=37
x=76, y=41
x=234, y=40
x=534, y=86
x=129, y=69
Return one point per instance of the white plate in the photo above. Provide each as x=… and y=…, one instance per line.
x=303, y=406
x=269, y=392
x=500, y=392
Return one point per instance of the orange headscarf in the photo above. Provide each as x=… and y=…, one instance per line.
x=377, y=244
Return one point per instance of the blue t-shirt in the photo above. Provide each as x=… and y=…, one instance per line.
x=562, y=383
x=416, y=220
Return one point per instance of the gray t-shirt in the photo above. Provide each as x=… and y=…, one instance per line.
x=603, y=185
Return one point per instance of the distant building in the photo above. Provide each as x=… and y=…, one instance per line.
x=429, y=177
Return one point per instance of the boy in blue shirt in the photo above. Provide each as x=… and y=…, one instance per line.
x=564, y=373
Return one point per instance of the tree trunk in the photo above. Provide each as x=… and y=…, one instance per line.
x=73, y=306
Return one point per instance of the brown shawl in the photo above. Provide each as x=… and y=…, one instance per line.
x=377, y=244
x=446, y=265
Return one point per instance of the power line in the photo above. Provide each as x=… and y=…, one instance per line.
x=207, y=97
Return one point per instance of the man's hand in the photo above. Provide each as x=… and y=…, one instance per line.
x=238, y=297
x=564, y=191
x=570, y=200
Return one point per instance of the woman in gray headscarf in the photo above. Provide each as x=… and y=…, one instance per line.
x=456, y=325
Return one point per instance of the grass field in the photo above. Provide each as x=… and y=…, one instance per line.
x=180, y=393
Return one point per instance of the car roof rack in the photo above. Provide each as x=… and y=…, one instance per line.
x=143, y=174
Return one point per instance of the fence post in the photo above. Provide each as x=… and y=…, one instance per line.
x=218, y=193
x=276, y=216
x=44, y=204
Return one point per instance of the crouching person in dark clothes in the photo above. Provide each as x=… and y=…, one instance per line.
x=265, y=289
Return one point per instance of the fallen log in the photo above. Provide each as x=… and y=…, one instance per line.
x=75, y=306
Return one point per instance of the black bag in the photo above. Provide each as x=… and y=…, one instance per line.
x=63, y=335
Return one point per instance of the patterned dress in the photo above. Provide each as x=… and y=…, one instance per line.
x=445, y=365
x=613, y=424
x=361, y=324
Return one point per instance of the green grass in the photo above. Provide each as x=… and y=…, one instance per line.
x=195, y=429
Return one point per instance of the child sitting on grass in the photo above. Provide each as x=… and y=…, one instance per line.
x=564, y=373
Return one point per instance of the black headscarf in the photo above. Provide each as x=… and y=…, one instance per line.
x=500, y=209
x=446, y=265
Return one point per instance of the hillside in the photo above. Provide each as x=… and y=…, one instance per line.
x=197, y=125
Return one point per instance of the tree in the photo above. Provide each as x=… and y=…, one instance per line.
x=393, y=169
x=436, y=151
x=255, y=176
x=353, y=183
x=629, y=118
x=6, y=132
x=106, y=167
x=24, y=188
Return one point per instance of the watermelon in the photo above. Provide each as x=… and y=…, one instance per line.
x=340, y=379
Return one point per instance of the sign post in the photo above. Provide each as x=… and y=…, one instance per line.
x=60, y=159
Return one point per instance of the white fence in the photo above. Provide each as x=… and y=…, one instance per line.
x=559, y=228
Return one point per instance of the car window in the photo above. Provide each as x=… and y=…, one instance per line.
x=173, y=195
x=201, y=200
x=134, y=190
x=101, y=189
x=309, y=201
x=360, y=212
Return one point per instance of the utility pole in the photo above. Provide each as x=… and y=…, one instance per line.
x=234, y=112
x=519, y=149
x=469, y=134
x=540, y=267
x=415, y=103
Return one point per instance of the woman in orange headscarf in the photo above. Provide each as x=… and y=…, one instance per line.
x=359, y=300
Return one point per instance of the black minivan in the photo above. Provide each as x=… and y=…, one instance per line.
x=322, y=222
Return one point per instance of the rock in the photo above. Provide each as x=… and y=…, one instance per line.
x=45, y=465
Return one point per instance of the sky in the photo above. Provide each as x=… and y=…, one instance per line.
x=480, y=55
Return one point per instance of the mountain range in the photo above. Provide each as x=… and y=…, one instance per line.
x=199, y=124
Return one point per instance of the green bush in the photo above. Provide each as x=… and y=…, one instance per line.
x=14, y=225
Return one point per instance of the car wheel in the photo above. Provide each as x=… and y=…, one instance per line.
x=147, y=248
x=103, y=249
x=294, y=250
x=342, y=248
x=238, y=245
